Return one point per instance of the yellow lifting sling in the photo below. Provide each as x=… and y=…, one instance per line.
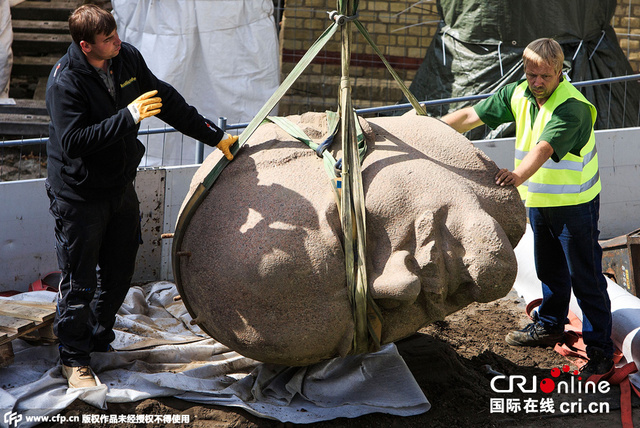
x=366, y=315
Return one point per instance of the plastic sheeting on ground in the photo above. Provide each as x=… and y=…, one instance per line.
x=222, y=56
x=161, y=354
x=625, y=307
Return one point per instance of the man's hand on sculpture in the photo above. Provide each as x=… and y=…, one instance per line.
x=504, y=177
x=146, y=105
x=225, y=143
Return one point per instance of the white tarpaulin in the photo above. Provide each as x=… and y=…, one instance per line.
x=6, y=55
x=222, y=56
x=161, y=354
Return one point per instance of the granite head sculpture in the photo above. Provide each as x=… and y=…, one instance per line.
x=266, y=274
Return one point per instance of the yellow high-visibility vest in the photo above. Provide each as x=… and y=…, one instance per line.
x=572, y=181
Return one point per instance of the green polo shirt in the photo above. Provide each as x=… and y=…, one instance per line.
x=567, y=131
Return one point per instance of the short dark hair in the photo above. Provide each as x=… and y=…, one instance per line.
x=89, y=20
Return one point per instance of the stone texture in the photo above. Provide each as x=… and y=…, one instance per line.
x=266, y=276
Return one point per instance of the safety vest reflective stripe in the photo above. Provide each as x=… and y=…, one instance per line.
x=573, y=180
x=558, y=189
x=564, y=163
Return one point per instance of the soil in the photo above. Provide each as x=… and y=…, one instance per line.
x=23, y=162
x=453, y=361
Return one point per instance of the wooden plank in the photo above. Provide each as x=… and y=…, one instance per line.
x=41, y=89
x=13, y=325
x=24, y=125
x=36, y=303
x=14, y=309
x=41, y=335
x=50, y=306
x=8, y=338
x=34, y=26
x=35, y=119
x=32, y=43
x=45, y=326
x=24, y=106
x=42, y=38
x=56, y=10
x=40, y=66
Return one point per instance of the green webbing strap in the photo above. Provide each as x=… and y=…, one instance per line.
x=296, y=132
x=273, y=100
x=333, y=120
x=420, y=110
x=366, y=316
x=198, y=195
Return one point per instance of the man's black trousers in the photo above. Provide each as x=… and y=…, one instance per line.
x=96, y=245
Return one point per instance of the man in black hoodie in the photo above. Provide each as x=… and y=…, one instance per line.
x=97, y=94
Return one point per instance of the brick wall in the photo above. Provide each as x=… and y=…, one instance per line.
x=626, y=23
x=402, y=29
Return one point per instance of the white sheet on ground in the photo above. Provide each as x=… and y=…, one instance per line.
x=222, y=56
x=625, y=307
x=161, y=354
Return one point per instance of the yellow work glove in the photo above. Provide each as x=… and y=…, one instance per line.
x=225, y=143
x=146, y=105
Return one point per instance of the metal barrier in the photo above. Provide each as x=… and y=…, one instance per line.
x=222, y=122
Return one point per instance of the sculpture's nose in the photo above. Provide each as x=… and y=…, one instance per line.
x=397, y=282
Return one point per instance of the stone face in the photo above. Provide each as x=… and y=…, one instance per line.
x=266, y=275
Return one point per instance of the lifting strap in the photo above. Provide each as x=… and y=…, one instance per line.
x=332, y=167
x=367, y=317
x=362, y=303
x=202, y=189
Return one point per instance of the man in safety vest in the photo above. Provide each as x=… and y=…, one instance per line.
x=556, y=171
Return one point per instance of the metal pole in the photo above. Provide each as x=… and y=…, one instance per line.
x=222, y=123
x=199, y=152
x=362, y=111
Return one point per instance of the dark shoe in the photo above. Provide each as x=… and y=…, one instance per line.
x=534, y=335
x=598, y=364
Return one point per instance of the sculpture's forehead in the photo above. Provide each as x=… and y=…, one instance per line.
x=416, y=183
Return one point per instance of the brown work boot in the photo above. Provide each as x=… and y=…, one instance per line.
x=79, y=377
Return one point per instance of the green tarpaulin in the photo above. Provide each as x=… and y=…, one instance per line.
x=478, y=49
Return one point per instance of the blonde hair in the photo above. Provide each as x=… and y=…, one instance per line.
x=544, y=51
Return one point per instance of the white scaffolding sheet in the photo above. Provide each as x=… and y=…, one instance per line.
x=222, y=56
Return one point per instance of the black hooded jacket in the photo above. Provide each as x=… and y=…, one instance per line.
x=93, y=150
